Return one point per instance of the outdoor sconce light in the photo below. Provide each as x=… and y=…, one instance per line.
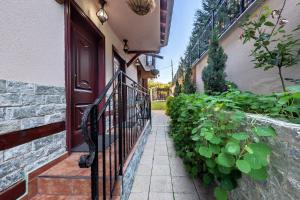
x=126, y=47
x=101, y=14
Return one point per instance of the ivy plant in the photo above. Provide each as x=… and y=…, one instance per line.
x=273, y=45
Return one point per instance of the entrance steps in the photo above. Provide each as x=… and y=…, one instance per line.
x=66, y=181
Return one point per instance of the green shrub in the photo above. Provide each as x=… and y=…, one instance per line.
x=210, y=135
x=168, y=103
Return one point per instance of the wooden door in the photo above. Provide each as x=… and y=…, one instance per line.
x=84, y=72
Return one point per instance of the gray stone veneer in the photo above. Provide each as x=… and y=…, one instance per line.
x=283, y=182
x=23, y=106
x=129, y=175
x=26, y=105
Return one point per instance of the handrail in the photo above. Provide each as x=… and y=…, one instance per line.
x=87, y=160
x=134, y=106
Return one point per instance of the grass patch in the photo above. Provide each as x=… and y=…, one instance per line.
x=158, y=105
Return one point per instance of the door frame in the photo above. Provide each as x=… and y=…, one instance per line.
x=72, y=6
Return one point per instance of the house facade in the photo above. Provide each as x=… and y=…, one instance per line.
x=239, y=67
x=56, y=58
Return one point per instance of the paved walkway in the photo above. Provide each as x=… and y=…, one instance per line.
x=161, y=174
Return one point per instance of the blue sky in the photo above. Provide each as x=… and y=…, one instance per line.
x=181, y=28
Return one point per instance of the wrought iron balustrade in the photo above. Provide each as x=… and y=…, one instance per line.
x=225, y=14
x=118, y=116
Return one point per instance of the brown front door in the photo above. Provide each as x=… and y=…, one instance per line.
x=87, y=75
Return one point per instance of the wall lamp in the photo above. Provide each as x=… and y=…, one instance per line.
x=126, y=47
x=102, y=14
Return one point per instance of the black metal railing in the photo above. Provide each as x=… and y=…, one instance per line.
x=225, y=14
x=113, y=124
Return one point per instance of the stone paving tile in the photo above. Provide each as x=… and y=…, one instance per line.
x=161, y=170
x=144, y=170
x=161, y=184
x=138, y=196
x=180, y=196
x=161, y=174
x=141, y=184
x=146, y=161
x=161, y=160
x=160, y=196
x=183, y=185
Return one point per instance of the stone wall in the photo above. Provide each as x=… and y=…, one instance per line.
x=26, y=105
x=129, y=174
x=23, y=106
x=283, y=182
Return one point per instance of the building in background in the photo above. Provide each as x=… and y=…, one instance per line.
x=239, y=66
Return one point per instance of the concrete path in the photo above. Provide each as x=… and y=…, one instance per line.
x=161, y=174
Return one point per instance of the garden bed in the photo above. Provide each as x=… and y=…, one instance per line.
x=248, y=156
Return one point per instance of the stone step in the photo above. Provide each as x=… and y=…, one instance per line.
x=66, y=180
x=66, y=197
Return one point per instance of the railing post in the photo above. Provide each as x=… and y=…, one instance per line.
x=120, y=121
x=242, y=6
x=94, y=167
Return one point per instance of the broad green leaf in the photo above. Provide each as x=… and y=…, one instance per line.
x=254, y=161
x=215, y=148
x=196, y=137
x=260, y=155
x=220, y=193
x=259, y=174
x=232, y=148
x=208, y=135
x=224, y=170
x=293, y=108
x=268, y=23
x=215, y=140
x=264, y=131
x=248, y=149
x=225, y=160
x=240, y=136
x=260, y=149
x=238, y=116
x=195, y=130
x=205, y=151
x=243, y=166
x=207, y=178
x=210, y=163
x=228, y=184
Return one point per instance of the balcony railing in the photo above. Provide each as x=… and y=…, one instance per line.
x=117, y=118
x=226, y=13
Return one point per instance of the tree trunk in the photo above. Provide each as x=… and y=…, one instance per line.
x=281, y=78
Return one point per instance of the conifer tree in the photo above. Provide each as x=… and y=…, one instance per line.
x=213, y=74
x=177, y=89
x=188, y=86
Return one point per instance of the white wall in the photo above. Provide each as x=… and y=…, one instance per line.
x=131, y=71
x=32, y=41
x=239, y=67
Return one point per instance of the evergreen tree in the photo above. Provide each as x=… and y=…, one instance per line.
x=213, y=74
x=210, y=5
x=188, y=86
x=177, y=89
